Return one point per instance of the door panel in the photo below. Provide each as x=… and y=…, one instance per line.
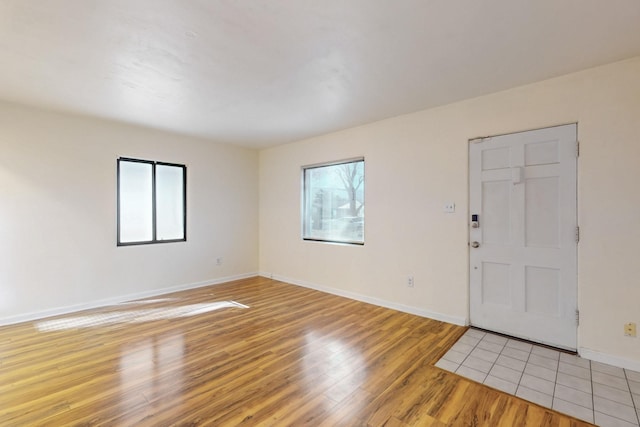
x=523, y=272
x=542, y=290
x=495, y=284
x=496, y=195
x=542, y=212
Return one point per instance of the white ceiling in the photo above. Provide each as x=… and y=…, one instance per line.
x=265, y=72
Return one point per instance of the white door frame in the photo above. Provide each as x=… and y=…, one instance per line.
x=573, y=346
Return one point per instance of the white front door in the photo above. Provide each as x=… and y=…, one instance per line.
x=523, y=250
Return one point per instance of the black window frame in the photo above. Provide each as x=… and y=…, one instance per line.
x=154, y=238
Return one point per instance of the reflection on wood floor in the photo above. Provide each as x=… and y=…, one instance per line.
x=249, y=352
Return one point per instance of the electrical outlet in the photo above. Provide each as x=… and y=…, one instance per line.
x=410, y=281
x=630, y=329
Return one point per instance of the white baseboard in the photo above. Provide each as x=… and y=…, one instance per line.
x=609, y=359
x=116, y=300
x=461, y=321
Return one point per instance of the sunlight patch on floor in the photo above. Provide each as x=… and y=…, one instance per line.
x=133, y=316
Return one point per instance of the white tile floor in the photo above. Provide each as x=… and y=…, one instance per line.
x=592, y=391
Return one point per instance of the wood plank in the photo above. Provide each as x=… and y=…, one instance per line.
x=294, y=357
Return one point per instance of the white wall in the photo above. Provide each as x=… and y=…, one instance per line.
x=58, y=213
x=57, y=207
x=415, y=163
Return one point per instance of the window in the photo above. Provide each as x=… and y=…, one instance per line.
x=152, y=202
x=333, y=202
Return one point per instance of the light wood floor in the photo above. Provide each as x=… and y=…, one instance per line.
x=294, y=357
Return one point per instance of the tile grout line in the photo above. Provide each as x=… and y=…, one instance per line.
x=526, y=363
x=555, y=382
x=633, y=400
x=611, y=400
x=483, y=337
x=593, y=394
x=494, y=362
x=592, y=410
x=469, y=354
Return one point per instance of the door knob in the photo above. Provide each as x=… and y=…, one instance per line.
x=475, y=244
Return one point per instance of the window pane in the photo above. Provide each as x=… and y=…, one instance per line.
x=169, y=202
x=136, y=214
x=334, y=202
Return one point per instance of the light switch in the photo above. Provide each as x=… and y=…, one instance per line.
x=449, y=207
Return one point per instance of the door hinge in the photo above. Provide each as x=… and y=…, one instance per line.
x=577, y=317
x=578, y=234
x=577, y=148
